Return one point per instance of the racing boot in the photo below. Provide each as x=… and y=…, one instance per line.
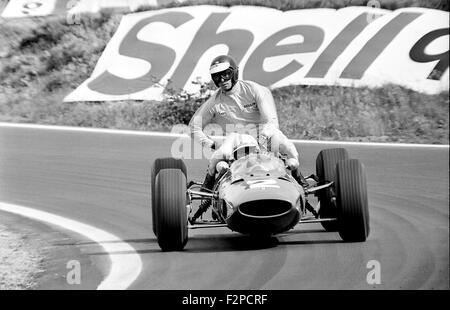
x=311, y=209
x=207, y=186
x=298, y=176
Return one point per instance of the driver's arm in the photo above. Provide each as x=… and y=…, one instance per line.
x=266, y=106
x=269, y=118
x=201, y=118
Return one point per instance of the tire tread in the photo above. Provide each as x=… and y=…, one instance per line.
x=352, y=199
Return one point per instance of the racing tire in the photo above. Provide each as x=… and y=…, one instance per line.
x=170, y=209
x=159, y=164
x=352, y=201
x=326, y=171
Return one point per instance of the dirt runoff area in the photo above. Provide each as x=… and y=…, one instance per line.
x=21, y=260
x=35, y=256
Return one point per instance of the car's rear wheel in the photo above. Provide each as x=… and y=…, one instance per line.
x=352, y=201
x=159, y=164
x=326, y=171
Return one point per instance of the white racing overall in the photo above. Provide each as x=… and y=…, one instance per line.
x=247, y=108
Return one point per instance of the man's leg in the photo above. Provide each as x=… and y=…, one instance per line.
x=223, y=152
x=208, y=183
x=280, y=143
x=285, y=146
x=298, y=176
x=207, y=186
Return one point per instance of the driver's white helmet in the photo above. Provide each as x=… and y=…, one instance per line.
x=245, y=144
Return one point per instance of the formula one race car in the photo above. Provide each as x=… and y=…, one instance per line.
x=257, y=195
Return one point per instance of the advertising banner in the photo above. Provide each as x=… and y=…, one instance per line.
x=154, y=52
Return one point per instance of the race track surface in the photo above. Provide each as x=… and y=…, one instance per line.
x=104, y=180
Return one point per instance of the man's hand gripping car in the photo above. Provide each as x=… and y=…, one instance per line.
x=257, y=195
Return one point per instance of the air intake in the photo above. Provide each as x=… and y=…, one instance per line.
x=265, y=208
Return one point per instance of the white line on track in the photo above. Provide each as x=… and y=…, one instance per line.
x=174, y=135
x=126, y=264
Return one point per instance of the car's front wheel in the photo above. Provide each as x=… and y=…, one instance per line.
x=352, y=201
x=169, y=206
x=326, y=171
x=159, y=164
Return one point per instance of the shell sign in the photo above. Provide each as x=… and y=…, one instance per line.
x=154, y=51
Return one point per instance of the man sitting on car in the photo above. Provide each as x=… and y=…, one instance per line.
x=240, y=102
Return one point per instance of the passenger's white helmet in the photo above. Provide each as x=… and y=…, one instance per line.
x=246, y=144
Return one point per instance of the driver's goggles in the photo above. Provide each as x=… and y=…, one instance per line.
x=225, y=75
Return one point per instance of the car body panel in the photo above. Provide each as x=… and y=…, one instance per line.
x=259, y=196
